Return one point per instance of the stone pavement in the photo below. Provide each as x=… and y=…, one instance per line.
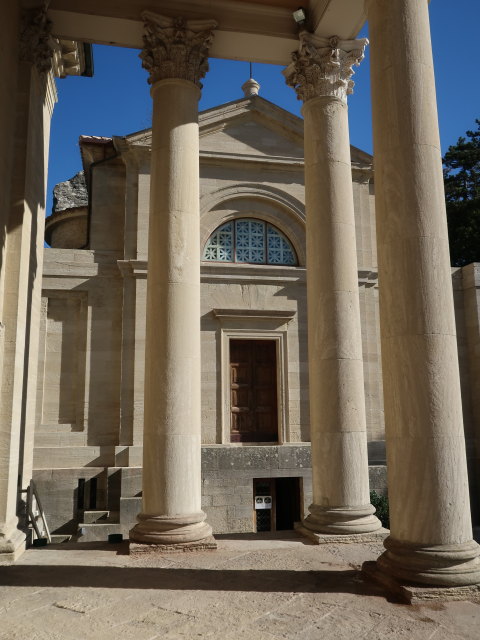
x=253, y=587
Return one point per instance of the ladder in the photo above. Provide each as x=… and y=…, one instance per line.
x=36, y=514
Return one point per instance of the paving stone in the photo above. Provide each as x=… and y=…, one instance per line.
x=253, y=588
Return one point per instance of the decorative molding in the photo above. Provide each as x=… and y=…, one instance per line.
x=281, y=317
x=362, y=174
x=37, y=45
x=220, y=157
x=69, y=58
x=253, y=190
x=47, y=53
x=175, y=47
x=251, y=274
x=324, y=66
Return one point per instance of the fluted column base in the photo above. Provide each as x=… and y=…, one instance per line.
x=171, y=533
x=418, y=574
x=342, y=520
x=446, y=565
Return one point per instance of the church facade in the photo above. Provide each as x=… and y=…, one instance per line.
x=254, y=366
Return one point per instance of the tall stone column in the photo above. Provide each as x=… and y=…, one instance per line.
x=22, y=260
x=175, y=54
x=321, y=75
x=430, y=539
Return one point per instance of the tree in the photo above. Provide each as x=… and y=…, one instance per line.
x=462, y=194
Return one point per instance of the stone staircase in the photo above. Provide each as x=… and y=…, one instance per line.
x=124, y=503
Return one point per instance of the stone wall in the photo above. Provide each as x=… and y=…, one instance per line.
x=228, y=475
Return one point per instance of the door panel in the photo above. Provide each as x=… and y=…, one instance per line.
x=253, y=375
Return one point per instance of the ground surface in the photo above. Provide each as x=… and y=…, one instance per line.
x=250, y=588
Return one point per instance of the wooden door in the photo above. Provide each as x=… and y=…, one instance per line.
x=253, y=378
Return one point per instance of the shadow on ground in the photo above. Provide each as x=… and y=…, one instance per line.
x=332, y=581
x=283, y=536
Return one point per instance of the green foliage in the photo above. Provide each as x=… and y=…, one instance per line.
x=462, y=192
x=381, y=505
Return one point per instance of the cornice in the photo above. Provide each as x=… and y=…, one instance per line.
x=256, y=314
x=244, y=273
x=218, y=157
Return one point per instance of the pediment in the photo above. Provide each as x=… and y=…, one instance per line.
x=251, y=127
x=247, y=128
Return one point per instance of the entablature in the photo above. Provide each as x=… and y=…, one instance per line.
x=261, y=31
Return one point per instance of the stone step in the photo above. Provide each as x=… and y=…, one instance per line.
x=92, y=516
x=99, y=532
x=58, y=538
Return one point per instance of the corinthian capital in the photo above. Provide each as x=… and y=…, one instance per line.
x=37, y=45
x=324, y=66
x=175, y=47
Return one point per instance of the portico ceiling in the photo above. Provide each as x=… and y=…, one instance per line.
x=254, y=30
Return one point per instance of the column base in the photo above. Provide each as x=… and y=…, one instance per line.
x=342, y=520
x=189, y=531
x=326, y=538
x=443, y=571
x=418, y=594
x=207, y=544
x=12, y=545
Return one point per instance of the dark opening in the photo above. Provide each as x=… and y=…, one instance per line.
x=285, y=509
x=287, y=503
x=81, y=493
x=92, y=503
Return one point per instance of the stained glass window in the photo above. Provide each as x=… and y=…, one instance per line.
x=250, y=241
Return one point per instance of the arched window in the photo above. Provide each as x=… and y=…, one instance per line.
x=251, y=241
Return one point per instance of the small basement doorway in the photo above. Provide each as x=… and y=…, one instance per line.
x=276, y=503
x=253, y=391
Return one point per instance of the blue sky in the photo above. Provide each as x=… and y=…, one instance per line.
x=116, y=101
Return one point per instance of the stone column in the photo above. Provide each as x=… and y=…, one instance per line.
x=320, y=73
x=21, y=267
x=175, y=54
x=430, y=540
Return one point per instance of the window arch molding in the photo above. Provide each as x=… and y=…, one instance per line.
x=289, y=221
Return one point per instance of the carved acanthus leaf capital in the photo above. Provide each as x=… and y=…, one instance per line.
x=175, y=47
x=324, y=66
x=37, y=45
